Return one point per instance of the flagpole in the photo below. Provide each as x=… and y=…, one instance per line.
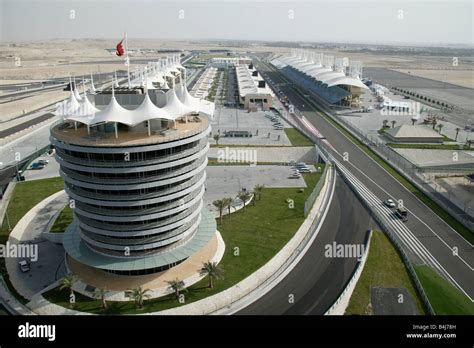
x=128, y=60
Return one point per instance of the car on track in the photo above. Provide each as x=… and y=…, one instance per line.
x=389, y=203
x=402, y=213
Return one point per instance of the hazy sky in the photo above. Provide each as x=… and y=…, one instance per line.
x=382, y=21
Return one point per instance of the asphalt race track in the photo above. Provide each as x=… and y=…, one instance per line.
x=317, y=281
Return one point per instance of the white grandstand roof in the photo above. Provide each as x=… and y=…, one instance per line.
x=323, y=74
x=346, y=80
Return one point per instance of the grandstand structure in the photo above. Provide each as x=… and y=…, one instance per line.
x=335, y=82
x=133, y=161
x=254, y=94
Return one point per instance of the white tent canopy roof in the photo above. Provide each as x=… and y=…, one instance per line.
x=179, y=103
x=198, y=105
x=68, y=106
x=328, y=76
x=114, y=112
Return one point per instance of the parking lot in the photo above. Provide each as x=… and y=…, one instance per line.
x=227, y=181
x=50, y=170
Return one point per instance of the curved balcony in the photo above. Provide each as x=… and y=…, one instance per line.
x=140, y=210
x=120, y=164
x=144, y=217
x=168, y=173
x=126, y=241
x=136, y=199
x=135, y=169
x=139, y=231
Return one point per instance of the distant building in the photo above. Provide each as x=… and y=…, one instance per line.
x=413, y=134
x=224, y=62
x=334, y=82
x=254, y=94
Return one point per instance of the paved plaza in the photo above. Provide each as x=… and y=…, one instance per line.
x=263, y=133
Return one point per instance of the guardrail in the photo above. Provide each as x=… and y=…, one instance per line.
x=350, y=285
x=313, y=229
x=314, y=194
x=391, y=233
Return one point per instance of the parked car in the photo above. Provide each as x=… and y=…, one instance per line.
x=37, y=165
x=43, y=161
x=295, y=175
x=24, y=266
x=304, y=170
x=389, y=203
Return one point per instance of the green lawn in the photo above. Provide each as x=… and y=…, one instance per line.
x=297, y=138
x=24, y=197
x=451, y=221
x=63, y=220
x=444, y=297
x=425, y=146
x=382, y=257
x=259, y=233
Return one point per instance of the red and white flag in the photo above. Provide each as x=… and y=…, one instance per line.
x=120, y=51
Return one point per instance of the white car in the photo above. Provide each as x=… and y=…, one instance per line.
x=24, y=266
x=389, y=203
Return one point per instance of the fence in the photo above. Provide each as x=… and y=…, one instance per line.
x=411, y=172
x=350, y=286
x=308, y=204
x=391, y=233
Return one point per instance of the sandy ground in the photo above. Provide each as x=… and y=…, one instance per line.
x=463, y=78
x=23, y=106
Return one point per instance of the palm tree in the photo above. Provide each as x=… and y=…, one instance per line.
x=138, y=295
x=100, y=294
x=228, y=203
x=212, y=270
x=457, y=132
x=393, y=123
x=68, y=282
x=440, y=126
x=243, y=196
x=258, y=189
x=384, y=123
x=220, y=204
x=216, y=137
x=177, y=286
